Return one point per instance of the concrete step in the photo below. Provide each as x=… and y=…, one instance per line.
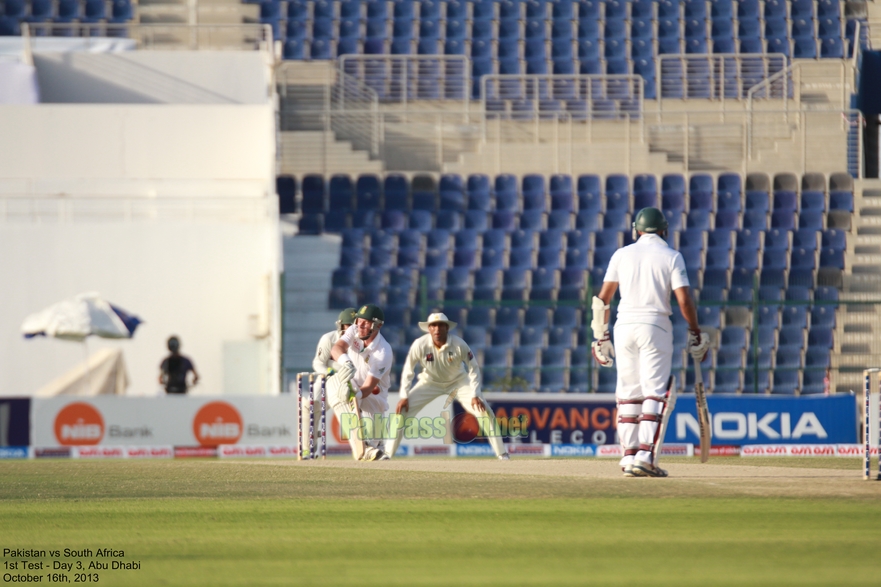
x=309, y=262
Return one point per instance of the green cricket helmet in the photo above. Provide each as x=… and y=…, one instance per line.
x=347, y=316
x=371, y=312
x=650, y=221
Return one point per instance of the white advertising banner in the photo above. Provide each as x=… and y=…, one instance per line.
x=163, y=421
x=168, y=421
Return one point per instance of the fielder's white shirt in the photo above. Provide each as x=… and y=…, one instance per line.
x=374, y=359
x=647, y=272
x=323, y=358
x=452, y=364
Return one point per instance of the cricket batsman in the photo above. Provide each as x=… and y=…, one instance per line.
x=362, y=381
x=646, y=273
x=448, y=368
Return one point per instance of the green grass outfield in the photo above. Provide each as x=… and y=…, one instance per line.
x=280, y=523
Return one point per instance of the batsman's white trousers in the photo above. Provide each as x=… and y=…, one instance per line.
x=424, y=392
x=368, y=409
x=644, y=354
x=337, y=398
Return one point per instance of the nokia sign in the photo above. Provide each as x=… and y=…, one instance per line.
x=768, y=420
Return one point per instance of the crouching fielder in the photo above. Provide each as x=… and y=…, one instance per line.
x=646, y=273
x=448, y=369
x=362, y=381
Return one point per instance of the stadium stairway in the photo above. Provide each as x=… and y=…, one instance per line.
x=316, y=151
x=306, y=146
x=309, y=262
x=858, y=328
x=207, y=12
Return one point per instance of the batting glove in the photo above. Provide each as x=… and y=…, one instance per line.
x=603, y=351
x=698, y=345
x=346, y=371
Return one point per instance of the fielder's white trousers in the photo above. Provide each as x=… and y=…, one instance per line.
x=644, y=354
x=424, y=392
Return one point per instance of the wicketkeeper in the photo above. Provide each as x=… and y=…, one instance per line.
x=449, y=369
x=646, y=273
x=323, y=360
x=362, y=381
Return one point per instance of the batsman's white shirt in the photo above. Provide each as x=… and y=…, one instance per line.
x=451, y=366
x=374, y=359
x=647, y=272
x=323, y=358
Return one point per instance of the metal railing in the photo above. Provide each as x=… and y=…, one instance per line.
x=717, y=140
x=606, y=117
x=726, y=78
x=333, y=102
x=403, y=79
x=530, y=97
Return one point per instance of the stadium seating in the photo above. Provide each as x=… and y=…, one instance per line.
x=525, y=286
x=585, y=37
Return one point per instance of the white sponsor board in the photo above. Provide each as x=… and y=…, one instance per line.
x=805, y=450
x=163, y=421
x=673, y=449
x=247, y=451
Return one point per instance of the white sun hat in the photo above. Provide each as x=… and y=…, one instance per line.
x=435, y=318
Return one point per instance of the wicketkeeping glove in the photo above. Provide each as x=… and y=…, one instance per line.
x=698, y=345
x=603, y=351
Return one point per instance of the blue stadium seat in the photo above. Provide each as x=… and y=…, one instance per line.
x=562, y=197
x=313, y=194
x=533, y=192
x=831, y=47
x=421, y=220
x=397, y=192
x=589, y=199
x=791, y=338
x=451, y=193
x=785, y=382
x=544, y=285
x=834, y=239
x=286, y=188
x=368, y=192
x=341, y=194
x=496, y=364
x=616, y=219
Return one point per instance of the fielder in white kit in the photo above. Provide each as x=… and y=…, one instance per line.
x=448, y=368
x=646, y=273
x=361, y=384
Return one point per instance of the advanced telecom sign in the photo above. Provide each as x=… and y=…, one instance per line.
x=743, y=420
x=736, y=420
x=564, y=419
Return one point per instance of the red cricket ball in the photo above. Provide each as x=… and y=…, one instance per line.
x=465, y=428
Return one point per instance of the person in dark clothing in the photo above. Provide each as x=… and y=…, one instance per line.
x=174, y=368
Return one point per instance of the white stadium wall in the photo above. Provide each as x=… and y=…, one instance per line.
x=208, y=281
x=154, y=77
x=148, y=150
x=163, y=201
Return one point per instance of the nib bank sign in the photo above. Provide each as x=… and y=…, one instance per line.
x=740, y=420
x=217, y=423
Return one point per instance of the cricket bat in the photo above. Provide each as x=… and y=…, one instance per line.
x=360, y=449
x=703, y=412
x=665, y=420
